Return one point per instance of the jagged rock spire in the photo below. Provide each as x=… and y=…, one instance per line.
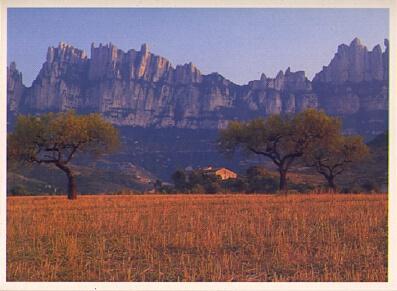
x=354, y=63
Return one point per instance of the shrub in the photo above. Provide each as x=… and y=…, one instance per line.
x=371, y=186
x=18, y=190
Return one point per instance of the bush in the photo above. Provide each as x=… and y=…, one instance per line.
x=18, y=190
x=213, y=188
x=238, y=185
x=198, y=189
x=125, y=192
x=180, y=180
x=265, y=184
x=371, y=186
x=302, y=187
x=167, y=189
x=355, y=188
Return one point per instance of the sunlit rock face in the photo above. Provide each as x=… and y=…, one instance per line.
x=138, y=88
x=60, y=83
x=354, y=63
x=355, y=86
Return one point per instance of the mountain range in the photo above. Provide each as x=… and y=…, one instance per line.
x=141, y=89
x=169, y=116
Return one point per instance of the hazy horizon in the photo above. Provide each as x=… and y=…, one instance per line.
x=240, y=44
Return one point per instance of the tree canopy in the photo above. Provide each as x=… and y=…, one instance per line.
x=56, y=138
x=280, y=138
x=331, y=156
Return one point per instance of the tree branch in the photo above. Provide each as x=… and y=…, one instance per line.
x=288, y=159
x=339, y=172
x=74, y=149
x=266, y=154
x=33, y=159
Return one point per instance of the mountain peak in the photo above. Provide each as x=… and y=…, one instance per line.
x=280, y=75
x=386, y=42
x=13, y=66
x=140, y=89
x=144, y=48
x=355, y=64
x=65, y=52
x=356, y=42
x=66, y=46
x=377, y=49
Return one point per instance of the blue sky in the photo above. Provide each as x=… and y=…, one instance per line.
x=240, y=44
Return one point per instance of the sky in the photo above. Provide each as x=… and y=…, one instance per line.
x=240, y=44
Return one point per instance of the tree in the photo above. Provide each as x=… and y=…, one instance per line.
x=179, y=179
x=260, y=180
x=158, y=185
x=196, y=181
x=56, y=138
x=331, y=156
x=282, y=139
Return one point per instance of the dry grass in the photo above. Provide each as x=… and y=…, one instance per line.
x=198, y=238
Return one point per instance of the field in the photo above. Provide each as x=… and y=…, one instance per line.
x=198, y=238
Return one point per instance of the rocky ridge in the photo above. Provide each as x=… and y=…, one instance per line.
x=141, y=89
x=15, y=88
x=355, y=86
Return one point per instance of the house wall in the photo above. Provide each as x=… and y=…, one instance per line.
x=226, y=174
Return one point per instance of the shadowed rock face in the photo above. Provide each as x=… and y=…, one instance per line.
x=138, y=88
x=15, y=87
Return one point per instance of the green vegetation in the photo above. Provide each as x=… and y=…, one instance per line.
x=282, y=139
x=310, y=138
x=255, y=180
x=197, y=181
x=371, y=173
x=360, y=172
x=331, y=156
x=58, y=138
x=47, y=179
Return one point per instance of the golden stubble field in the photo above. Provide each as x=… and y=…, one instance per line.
x=198, y=238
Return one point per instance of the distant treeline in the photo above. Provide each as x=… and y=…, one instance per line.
x=255, y=180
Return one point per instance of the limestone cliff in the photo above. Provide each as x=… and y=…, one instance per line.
x=15, y=87
x=139, y=88
x=355, y=64
x=355, y=86
x=60, y=83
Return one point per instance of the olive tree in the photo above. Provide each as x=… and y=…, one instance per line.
x=280, y=138
x=57, y=138
x=331, y=156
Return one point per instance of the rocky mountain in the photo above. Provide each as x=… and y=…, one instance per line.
x=15, y=88
x=356, y=64
x=355, y=86
x=141, y=89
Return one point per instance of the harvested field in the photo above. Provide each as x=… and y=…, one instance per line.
x=312, y=237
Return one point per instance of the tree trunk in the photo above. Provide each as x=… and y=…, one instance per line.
x=72, y=192
x=283, y=181
x=331, y=183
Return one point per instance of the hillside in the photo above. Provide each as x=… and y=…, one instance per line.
x=101, y=177
x=153, y=154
